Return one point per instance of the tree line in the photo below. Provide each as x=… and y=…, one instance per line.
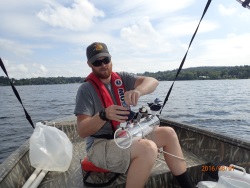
x=41, y=80
x=196, y=73
x=203, y=73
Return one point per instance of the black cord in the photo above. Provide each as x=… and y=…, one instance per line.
x=17, y=94
x=245, y=3
x=184, y=58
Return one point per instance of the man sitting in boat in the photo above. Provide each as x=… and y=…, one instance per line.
x=100, y=109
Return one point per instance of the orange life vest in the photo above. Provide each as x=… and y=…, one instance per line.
x=106, y=99
x=104, y=94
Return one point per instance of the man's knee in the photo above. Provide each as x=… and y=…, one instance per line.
x=145, y=148
x=149, y=147
x=171, y=131
x=168, y=132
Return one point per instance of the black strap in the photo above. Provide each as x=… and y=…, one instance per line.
x=184, y=58
x=105, y=184
x=104, y=136
x=17, y=94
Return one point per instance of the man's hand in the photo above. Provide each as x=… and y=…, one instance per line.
x=132, y=96
x=117, y=113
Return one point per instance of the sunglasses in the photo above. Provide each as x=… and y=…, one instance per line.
x=98, y=63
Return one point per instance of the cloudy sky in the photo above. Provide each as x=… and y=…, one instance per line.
x=48, y=38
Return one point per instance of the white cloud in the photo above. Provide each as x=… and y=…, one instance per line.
x=222, y=52
x=78, y=17
x=20, y=68
x=144, y=35
x=26, y=70
x=40, y=69
x=18, y=18
x=16, y=70
x=168, y=6
x=227, y=11
x=154, y=9
x=185, y=28
x=245, y=16
x=15, y=47
x=141, y=34
x=141, y=64
x=11, y=5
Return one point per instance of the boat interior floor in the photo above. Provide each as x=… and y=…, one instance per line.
x=74, y=176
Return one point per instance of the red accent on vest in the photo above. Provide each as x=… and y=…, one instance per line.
x=103, y=93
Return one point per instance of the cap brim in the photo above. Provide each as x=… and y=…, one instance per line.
x=94, y=58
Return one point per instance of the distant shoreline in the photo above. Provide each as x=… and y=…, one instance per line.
x=196, y=73
x=158, y=80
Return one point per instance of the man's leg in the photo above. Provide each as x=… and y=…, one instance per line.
x=143, y=156
x=166, y=137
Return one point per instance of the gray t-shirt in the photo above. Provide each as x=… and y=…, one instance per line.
x=89, y=103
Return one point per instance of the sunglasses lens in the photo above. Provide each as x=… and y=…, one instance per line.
x=106, y=60
x=98, y=63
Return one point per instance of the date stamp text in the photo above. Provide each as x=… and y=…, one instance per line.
x=212, y=168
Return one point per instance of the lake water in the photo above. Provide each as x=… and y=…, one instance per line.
x=218, y=105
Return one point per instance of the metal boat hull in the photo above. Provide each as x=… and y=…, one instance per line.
x=199, y=147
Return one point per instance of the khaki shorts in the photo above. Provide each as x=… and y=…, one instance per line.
x=107, y=155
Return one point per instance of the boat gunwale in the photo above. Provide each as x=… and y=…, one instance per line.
x=10, y=162
x=206, y=132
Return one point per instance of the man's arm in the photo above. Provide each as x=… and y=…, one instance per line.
x=143, y=85
x=87, y=125
x=83, y=122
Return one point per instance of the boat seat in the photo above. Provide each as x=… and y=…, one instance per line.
x=89, y=167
